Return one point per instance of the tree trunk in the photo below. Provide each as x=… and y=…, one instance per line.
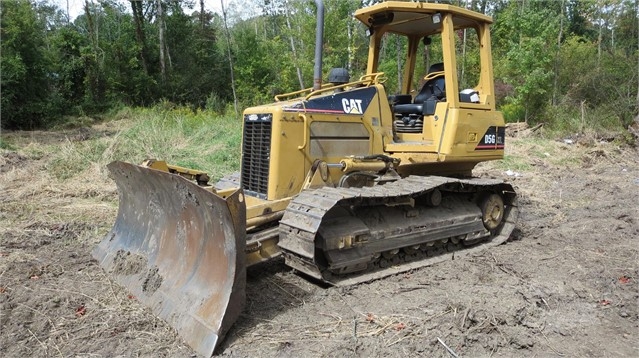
x=92, y=28
x=351, y=55
x=483, y=7
x=161, y=35
x=228, y=42
x=138, y=17
x=426, y=58
x=399, y=64
x=94, y=67
x=600, y=37
x=462, y=79
x=557, y=56
x=202, y=14
x=295, y=58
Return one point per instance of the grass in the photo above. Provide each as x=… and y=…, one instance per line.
x=528, y=154
x=199, y=140
x=4, y=144
x=61, y=175
x=571, y=119
x=513, y=162
x=202, y=140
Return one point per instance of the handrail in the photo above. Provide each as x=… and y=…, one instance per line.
x=432, y=75
x=279, y=97
x=366, y=80
x=375, y=78
x=306, y=130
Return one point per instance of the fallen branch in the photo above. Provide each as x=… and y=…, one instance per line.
x=450, y=350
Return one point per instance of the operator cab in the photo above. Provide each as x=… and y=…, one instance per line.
x=455, y=58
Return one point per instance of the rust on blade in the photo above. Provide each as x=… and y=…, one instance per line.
x=180, y=250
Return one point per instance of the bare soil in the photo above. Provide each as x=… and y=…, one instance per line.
x=566, y=284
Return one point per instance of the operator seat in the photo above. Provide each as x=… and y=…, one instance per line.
x=409, y=117
x=433, y=90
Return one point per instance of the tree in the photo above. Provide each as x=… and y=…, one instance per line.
x=552, y=58
x=524, y=56
x=25, y=66
x=138, y=17
x=228, y=42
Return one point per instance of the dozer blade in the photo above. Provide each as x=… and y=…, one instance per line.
x=180, y=250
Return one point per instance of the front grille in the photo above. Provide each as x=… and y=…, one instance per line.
x=408, y=123
x=256, y=149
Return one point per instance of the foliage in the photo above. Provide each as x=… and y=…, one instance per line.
x=25, y=67
x=553, y=59
x=527, y=56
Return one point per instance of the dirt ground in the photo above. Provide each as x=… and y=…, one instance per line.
x=565, y=285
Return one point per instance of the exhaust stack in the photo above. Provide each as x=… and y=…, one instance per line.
x=319, y=43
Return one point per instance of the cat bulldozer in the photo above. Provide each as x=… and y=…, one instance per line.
x=346, y=182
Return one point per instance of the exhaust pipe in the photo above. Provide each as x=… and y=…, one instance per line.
x=319, y=43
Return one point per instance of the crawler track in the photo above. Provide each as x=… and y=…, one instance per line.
x=345, y=236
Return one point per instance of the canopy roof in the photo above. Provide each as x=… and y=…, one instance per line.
x=416, y=18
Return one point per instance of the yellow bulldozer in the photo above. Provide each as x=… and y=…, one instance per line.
x=345, y=181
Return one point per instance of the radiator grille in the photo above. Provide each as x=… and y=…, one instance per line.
x=408, y=123
x=256, y=149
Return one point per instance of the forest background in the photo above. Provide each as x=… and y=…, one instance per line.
x=569, y=64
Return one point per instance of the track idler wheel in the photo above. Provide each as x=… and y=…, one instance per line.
x=434, y=198
x=492, y=209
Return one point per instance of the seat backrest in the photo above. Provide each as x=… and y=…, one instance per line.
x=433, y=87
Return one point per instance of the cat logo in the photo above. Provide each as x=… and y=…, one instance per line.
x=352, y=106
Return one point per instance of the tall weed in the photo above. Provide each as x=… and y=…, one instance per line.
x=581, y=118
x=200, y=140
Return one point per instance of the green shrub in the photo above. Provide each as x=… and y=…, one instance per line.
x=513, y=112
x=4, y=144
x=580, y=118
